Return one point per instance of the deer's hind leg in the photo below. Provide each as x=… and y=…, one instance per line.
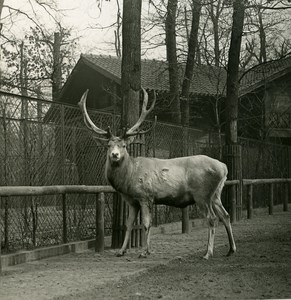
x=224, y=217
x=212, y=223
x=146, y=210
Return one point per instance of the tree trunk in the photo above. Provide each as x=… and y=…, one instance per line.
x=263, y=53
x=192, y=46
x=215, y=13
x=130, y=95
x=170, y=26
x=175, y=108
x=23, y=72
x=117, y=31
x=57, y=65
x=1, y=7
x=131, y=61
x=232, y=149
x=232, y=84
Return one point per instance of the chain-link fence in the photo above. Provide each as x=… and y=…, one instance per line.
x=46, y=143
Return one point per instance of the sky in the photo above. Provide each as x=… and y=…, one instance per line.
x=85, y=17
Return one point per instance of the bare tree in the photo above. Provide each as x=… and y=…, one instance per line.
x=233, y=71
x=171, y=46
x=1, y=8
x=215, y=9
x=265, y=34
x=131, y=61
x=40, y=59
x=192, y=47
x=117, y=31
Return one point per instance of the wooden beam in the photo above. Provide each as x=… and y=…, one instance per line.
x=53, y=190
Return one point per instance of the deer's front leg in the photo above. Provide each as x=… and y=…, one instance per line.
x=132, y=214
x=147, y=223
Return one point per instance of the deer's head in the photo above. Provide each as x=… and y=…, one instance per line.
x=117, y=144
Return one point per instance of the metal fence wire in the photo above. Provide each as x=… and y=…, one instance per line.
x=46, y=143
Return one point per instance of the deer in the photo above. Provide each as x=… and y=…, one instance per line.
x=144, y=181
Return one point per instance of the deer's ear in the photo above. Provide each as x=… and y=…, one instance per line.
x=129, y=140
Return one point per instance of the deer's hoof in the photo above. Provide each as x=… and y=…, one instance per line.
x=142, y=255
x=207, y=256
x=230, y=252
x=120, y=253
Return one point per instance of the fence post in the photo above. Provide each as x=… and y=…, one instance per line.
x=232, y=157
x=286, y=196
x=0, y=236
x=63, y=146
x=185, y=220
x=250, y=201
x=6, y=223
x=233, y=212
x=156, y=215
x=99, y=240
x=64, y=211
x=271, y=202
x=185, y=211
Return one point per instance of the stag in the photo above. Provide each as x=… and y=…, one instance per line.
x=179, y=182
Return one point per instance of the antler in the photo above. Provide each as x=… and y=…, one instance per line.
x=134, y=130
x=87, y=120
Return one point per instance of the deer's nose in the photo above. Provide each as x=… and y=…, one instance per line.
x=115, y=154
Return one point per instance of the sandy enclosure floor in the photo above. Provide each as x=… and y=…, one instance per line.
x=260, y=269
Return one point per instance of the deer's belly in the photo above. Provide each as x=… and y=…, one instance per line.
x=180, y=201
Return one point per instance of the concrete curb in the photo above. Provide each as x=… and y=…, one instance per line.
x=36, y=254
x=74, y=247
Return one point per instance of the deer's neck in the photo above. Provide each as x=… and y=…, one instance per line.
x=119, y=174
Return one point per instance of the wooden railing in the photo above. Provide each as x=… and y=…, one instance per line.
x=250, y=183
x=6, y=191
x=100, y=190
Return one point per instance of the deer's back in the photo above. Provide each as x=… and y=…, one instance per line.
x=168, y=180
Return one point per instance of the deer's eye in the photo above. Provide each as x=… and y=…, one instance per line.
x=124, y=146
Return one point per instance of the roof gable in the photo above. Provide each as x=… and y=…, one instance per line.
x=265, y=72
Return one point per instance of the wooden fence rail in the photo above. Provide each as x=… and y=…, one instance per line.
x=53, y=190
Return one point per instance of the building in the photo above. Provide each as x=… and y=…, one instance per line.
x=265, y=93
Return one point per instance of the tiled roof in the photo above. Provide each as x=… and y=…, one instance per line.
x=206, y=80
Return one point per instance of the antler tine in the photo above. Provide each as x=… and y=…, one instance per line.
x=87, y=120
x=143, y=131
x=144, y=112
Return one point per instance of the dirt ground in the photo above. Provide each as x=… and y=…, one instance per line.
x=261, y=269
